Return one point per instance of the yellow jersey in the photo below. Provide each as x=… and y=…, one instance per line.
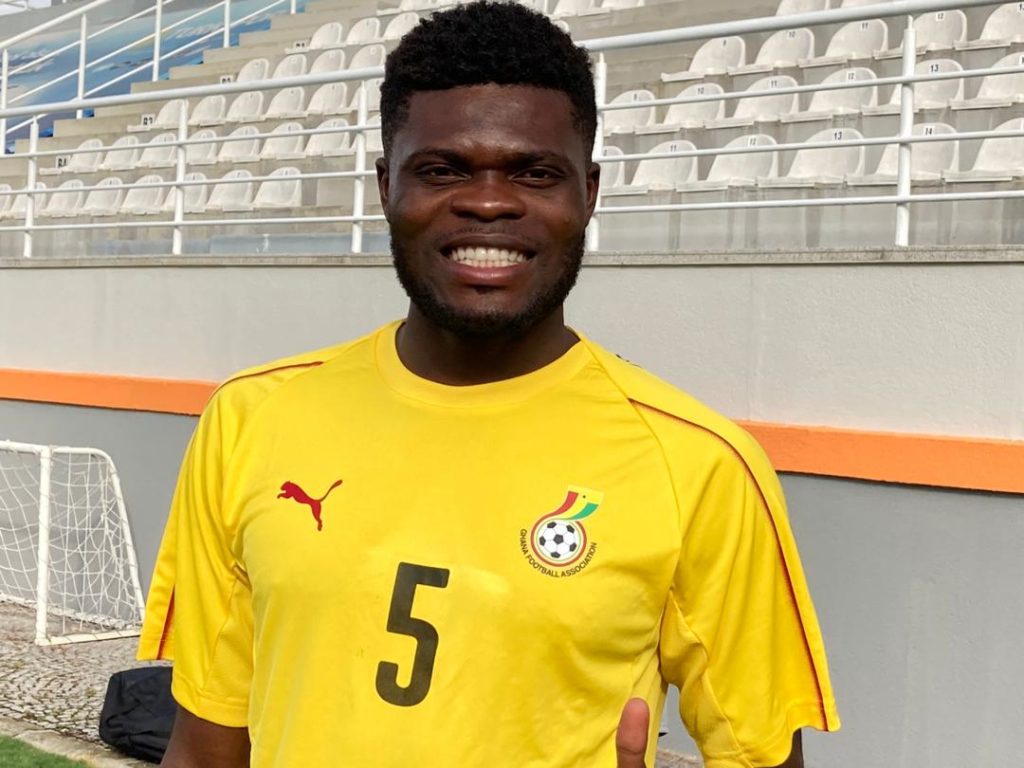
x=367, y=568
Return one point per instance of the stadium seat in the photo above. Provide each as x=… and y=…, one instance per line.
x=82, y=162
x=328, y=61
x=107, y=199
x=329, y=35
x=739, y=170
x=195, y=195
x=998, y=90
x=856, y=40
x=929, y=160
x=284, y=144
x=372, y=87
x=144, y=201
x=122, y=155
x=861, y=3
x=1003, y=28
x=287, y=103
x=368, y=56
x=374, y=140
x=715, y=57
x=162, y=152
x=612, y=174
x=660, y=173
x=5, y=199
x=844, y=101
x=786, y=7
x=244, y=150
x=292, y=65
x=328, y=99
x=209, y=111
x=330, y=144
x=363, y=31
x=783, y=49
x=246, y=108
x=828, y=165
x=627, y=120
x=167, y=117
x=999, y=159
x=762, y=108
x=285, y=191
x=928, y=94
x=64, y=201
x=202, y=154
x=620, y=5
x=693, y=114
x=936, y=31
x=256, y=69
x=572, y=7
x=231, y=196
x=401, y=24
x=17, y=208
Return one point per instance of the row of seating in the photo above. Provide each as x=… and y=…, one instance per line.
x=368, y=30
x=297, y=64
x=998, y=160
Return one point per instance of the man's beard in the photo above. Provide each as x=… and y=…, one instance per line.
x=485, y=324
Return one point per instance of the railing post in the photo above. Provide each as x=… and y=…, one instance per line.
x=601, y=96
x=292, y=7
x=359, y=183
x=227, y=23
x=157, y=32
x=178, y=188
x=83, y=34
x=906, y=132
x=5, y=66
x=30, y=187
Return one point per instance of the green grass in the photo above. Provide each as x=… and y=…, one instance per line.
x=16, y=754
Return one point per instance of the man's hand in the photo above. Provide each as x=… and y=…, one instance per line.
x=631, y=736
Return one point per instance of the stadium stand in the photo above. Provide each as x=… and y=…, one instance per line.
x=714, y=57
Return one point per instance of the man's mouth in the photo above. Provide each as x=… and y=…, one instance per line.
x=487, y=257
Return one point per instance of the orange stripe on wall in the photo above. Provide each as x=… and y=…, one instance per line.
x=944, y=462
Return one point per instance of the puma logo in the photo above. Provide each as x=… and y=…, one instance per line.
x=290, y=490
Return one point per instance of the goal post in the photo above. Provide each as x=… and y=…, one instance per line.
x=65, y=543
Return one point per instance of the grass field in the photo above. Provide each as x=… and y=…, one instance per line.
x=15, y=754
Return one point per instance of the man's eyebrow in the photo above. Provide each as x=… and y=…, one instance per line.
x=511, y=158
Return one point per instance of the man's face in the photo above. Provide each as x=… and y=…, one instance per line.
x=487, y=191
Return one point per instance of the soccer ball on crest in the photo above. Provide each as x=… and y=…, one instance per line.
x=559, y=541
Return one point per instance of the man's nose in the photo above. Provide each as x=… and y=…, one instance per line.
x=489, y=196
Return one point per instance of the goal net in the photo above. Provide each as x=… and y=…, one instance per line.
x=65, y=544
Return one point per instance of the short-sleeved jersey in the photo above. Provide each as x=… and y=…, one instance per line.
x=365, y=567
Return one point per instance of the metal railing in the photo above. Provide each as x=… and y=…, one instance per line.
x=902, y=198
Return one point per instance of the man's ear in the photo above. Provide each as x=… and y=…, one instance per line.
x=383, y=183
x=593, y=182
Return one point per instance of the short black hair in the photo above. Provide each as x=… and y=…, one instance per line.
x=485, y=42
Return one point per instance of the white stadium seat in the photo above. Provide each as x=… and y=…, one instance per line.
x=828, y=165
x=330, y=144
x=661, y=173
x=105, y=201
x=572, y=7
x=363, y=31
x=284, y=191
x=695, y=114
x=374, y=140
x=195, y=195
x=287, y=103
x=122, y=155
x=928, y=94
x=246, y=108
x=1005, y=27
x=627, y=120
x=786, y=7
x=612, y=174
x=5, y=200
x=715, y=57
x=16, y=209
x=202, y=154
x=144, y=201
x=328, y=61
x=929, y=160
x=739, y=170
x=284, y=144
x=999, y=159
x=209, y=111
x=328, y=99
x=329, y=35
x=82, y=162
x=856, y=40
x=162, y=152
x=762, y=105
x=843, y=101
x=401, y=24
x=64, y=201
x=372, y=87
x=256, y=69
x=368, y=56
x=935, y=31
x=292, y=65
x=167, y=117
x=861, y=3
x=232, y=196
x=619, y=5
x=784, y=48
x=998, y=90
x=245, y=149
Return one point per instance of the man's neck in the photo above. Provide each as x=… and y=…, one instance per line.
x=439, y=355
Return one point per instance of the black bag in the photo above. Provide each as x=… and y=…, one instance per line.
x=138, y=712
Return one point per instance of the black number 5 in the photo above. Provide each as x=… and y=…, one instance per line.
x=401, y=622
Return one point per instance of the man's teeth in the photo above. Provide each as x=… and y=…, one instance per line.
x=487, y=257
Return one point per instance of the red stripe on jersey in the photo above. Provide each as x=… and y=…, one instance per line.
x=272, y=370
x=167, y=627
x=778, y=541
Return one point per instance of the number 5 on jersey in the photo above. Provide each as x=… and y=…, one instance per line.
x=401, y=622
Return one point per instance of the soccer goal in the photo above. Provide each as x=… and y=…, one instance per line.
x=65, y=545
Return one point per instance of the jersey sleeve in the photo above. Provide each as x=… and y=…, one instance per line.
x=198, y=612
x=739, y=636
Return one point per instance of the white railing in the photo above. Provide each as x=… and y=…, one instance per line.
x=902, y=199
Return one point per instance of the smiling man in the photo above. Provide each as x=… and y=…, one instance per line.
x=474, y=537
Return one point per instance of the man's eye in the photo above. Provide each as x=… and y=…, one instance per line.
x=539, y=174
x=437, y=172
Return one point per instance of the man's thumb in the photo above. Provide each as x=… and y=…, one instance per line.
x=631, y=737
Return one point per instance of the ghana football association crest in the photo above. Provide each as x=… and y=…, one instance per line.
x=557, y=544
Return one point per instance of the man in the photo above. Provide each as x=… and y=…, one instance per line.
x=475, y=538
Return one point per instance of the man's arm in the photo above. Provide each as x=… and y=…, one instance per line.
x=198, y=743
